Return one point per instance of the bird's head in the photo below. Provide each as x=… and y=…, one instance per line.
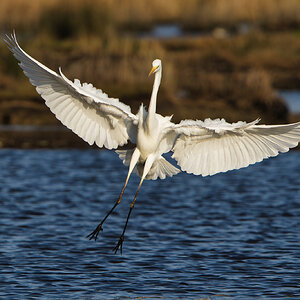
x=156, y=66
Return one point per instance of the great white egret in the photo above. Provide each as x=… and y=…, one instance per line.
x=199, y=147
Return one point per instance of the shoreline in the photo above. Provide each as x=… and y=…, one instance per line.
x=46, y=137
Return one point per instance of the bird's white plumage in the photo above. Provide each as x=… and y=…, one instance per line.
x=215, y=146
x=199, y=147
x=161, y=168
x=88, y=112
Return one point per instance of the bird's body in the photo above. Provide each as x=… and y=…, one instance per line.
x=151, y=125
x=147, y=136
x=199, y=147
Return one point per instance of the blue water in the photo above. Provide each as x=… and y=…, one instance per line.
x=231, y=236
x=166, y=31
x=292, y=99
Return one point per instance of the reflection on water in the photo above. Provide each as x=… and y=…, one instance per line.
x=235, y=234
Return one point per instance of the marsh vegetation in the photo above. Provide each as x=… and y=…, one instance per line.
x=238, y=55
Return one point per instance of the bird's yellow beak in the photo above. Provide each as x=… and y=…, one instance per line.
x=152, y=70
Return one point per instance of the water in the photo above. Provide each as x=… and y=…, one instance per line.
x=170, y=31
x=230, y=236
x=31, y=128
x=163, y=31
x=174, y=30
x=292, y=99
x=166, y=31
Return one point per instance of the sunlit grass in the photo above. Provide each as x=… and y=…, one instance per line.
x=63, y=17
x=203, y=76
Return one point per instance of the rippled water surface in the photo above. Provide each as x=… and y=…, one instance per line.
x=231, y=236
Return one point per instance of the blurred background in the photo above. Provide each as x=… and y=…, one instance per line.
x=236, y=59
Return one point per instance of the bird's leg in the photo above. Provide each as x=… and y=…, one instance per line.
x=121, y=239
x=147, y=167
x=134, y=158
x=95, y=233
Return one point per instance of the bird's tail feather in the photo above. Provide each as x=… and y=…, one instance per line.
x=160, y=168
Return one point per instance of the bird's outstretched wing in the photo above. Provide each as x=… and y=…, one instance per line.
x=87, y=111
x=212, y=146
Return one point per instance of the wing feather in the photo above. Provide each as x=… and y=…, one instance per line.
x=78, y=106
x=233, y=153
x=258, y=149
x=214, y=146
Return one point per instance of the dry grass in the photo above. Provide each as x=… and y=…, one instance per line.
x=203, y=77
x=97, y=15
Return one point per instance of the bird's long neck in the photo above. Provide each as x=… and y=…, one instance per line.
x=152, y=105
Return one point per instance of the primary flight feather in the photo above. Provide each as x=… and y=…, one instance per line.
x=199, y=147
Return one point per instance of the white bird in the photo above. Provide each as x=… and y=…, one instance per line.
x=199, y=147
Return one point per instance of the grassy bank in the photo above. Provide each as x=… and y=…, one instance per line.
x=203, y=77
x=233, y=76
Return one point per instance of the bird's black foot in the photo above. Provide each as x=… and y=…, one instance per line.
x=119, y=245
x=95, y=233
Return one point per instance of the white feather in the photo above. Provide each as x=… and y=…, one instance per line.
x=63, y=96
x=239, y=144
x=200, y=147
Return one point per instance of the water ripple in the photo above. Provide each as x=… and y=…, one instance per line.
x=230, y=236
